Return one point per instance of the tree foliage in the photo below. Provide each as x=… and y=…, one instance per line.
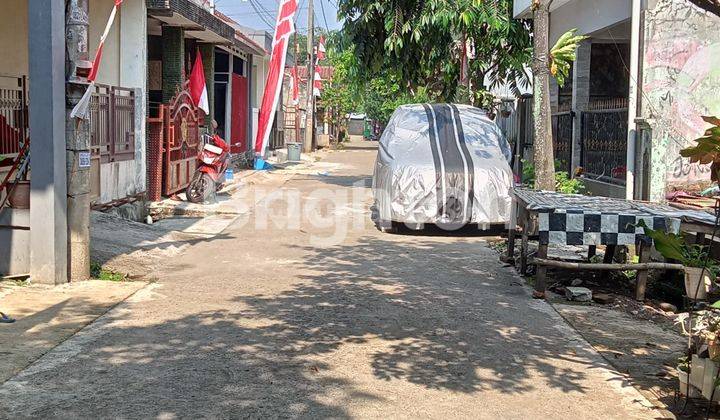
x=338, y=93
x=707, y=149
x=350, y=91
x=563, y=54
x=420, y=42
x=386, y=93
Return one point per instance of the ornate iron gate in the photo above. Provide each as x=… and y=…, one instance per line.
x=604, y=144
x=182, y=137
x=173, y=141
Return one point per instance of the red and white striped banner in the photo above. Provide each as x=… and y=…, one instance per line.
x=82, y=109
x=320, y=50
x=317, y=84
x=284, y=27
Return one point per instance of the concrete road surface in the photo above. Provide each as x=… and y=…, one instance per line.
x=302, y=309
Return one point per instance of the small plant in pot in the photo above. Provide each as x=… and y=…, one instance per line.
x=706, y=327
x=699, y=268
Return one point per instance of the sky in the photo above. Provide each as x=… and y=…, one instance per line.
x=243, y=12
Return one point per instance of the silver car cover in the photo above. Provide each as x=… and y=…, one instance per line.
x=442, y=164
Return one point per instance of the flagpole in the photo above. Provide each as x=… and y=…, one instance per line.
x=310, y=120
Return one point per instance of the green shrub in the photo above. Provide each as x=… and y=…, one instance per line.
x=563, y=183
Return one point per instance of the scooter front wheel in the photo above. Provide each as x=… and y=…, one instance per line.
x=201, y=188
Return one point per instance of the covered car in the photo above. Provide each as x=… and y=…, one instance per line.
x=442, y=164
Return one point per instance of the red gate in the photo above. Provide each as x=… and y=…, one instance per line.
x=173, y=141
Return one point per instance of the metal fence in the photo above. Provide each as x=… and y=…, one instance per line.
x=603, y=136
x=604, y=144
x=13, y=113
x=112, y=123
x=562, y=130
x=517, y=127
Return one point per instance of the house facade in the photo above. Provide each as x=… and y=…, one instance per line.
x=146, y=59
x=636, y=94
x=117, y=107
x=179, y=30
x=295, y=122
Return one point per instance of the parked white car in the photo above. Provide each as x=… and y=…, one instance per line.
x=442, y=164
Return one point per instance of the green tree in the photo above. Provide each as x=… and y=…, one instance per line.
x=420, y=43
x=338, y=93
x=383, y=94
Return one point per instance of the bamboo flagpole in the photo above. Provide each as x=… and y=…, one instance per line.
x=82, y=109
x=284, y=28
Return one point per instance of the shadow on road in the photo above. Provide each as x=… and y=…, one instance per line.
x=428, y=313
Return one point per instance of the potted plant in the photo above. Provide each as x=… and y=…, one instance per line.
x=702, y=371
x=699, y=267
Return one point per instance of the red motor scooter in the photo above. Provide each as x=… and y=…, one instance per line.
x=213, y=159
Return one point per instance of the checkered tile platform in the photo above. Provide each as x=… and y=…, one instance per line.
x=596, y=228
x=571, y=219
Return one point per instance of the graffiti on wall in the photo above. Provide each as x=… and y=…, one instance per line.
x=681, y=78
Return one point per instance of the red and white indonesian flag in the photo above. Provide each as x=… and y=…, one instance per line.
x=198, y=88
x=284, y=27
x=321, y=49
x=82, y=109
x=317, y=84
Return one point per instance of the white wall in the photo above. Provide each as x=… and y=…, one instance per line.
x=124, y=63
x=521, y=8
x=14, y=38
x=133, y=74
x=259, y=75
x=587, y=15
x=99, y=11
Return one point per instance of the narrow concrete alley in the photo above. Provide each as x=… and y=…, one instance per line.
x=302, y=309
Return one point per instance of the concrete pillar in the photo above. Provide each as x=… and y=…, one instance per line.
x=133, y=74
x=77, y=143
x=580, y=97
x=48, y=222
x=207, y=52
x=173, y=43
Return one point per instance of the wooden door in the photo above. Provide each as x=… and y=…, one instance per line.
x=239, y=114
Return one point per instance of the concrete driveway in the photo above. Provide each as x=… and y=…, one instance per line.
x=301, y=308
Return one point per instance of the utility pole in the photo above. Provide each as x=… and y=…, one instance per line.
x=310, y=119
x=77, y=141
x=296, y=80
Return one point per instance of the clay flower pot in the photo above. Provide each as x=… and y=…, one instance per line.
x=696, y=287
x=684, y=385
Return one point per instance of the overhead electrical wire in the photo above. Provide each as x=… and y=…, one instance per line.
x=322, y=7
x=267, y=12
x=261, y=15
